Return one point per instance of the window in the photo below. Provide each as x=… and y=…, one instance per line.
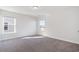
x=42, y=23
x=9, y=24
x=43, y=20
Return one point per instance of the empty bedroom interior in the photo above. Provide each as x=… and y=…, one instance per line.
x=39, y=28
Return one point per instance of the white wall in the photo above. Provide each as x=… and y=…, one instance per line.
x=63, y=23
x=25, y=25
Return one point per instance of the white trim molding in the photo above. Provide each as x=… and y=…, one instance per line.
x=77, y=42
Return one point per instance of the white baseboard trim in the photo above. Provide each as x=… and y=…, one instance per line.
x=62, y=39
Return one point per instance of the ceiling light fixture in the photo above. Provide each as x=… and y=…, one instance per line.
x=35, y=7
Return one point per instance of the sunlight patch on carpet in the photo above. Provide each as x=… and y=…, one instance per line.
x=33, y=37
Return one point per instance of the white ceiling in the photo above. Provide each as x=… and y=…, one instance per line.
x=27, y=10
x=42, y=10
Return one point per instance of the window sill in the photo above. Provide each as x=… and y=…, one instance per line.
x=9, y=32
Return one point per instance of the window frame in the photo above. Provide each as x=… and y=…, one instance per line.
x=14, y=25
